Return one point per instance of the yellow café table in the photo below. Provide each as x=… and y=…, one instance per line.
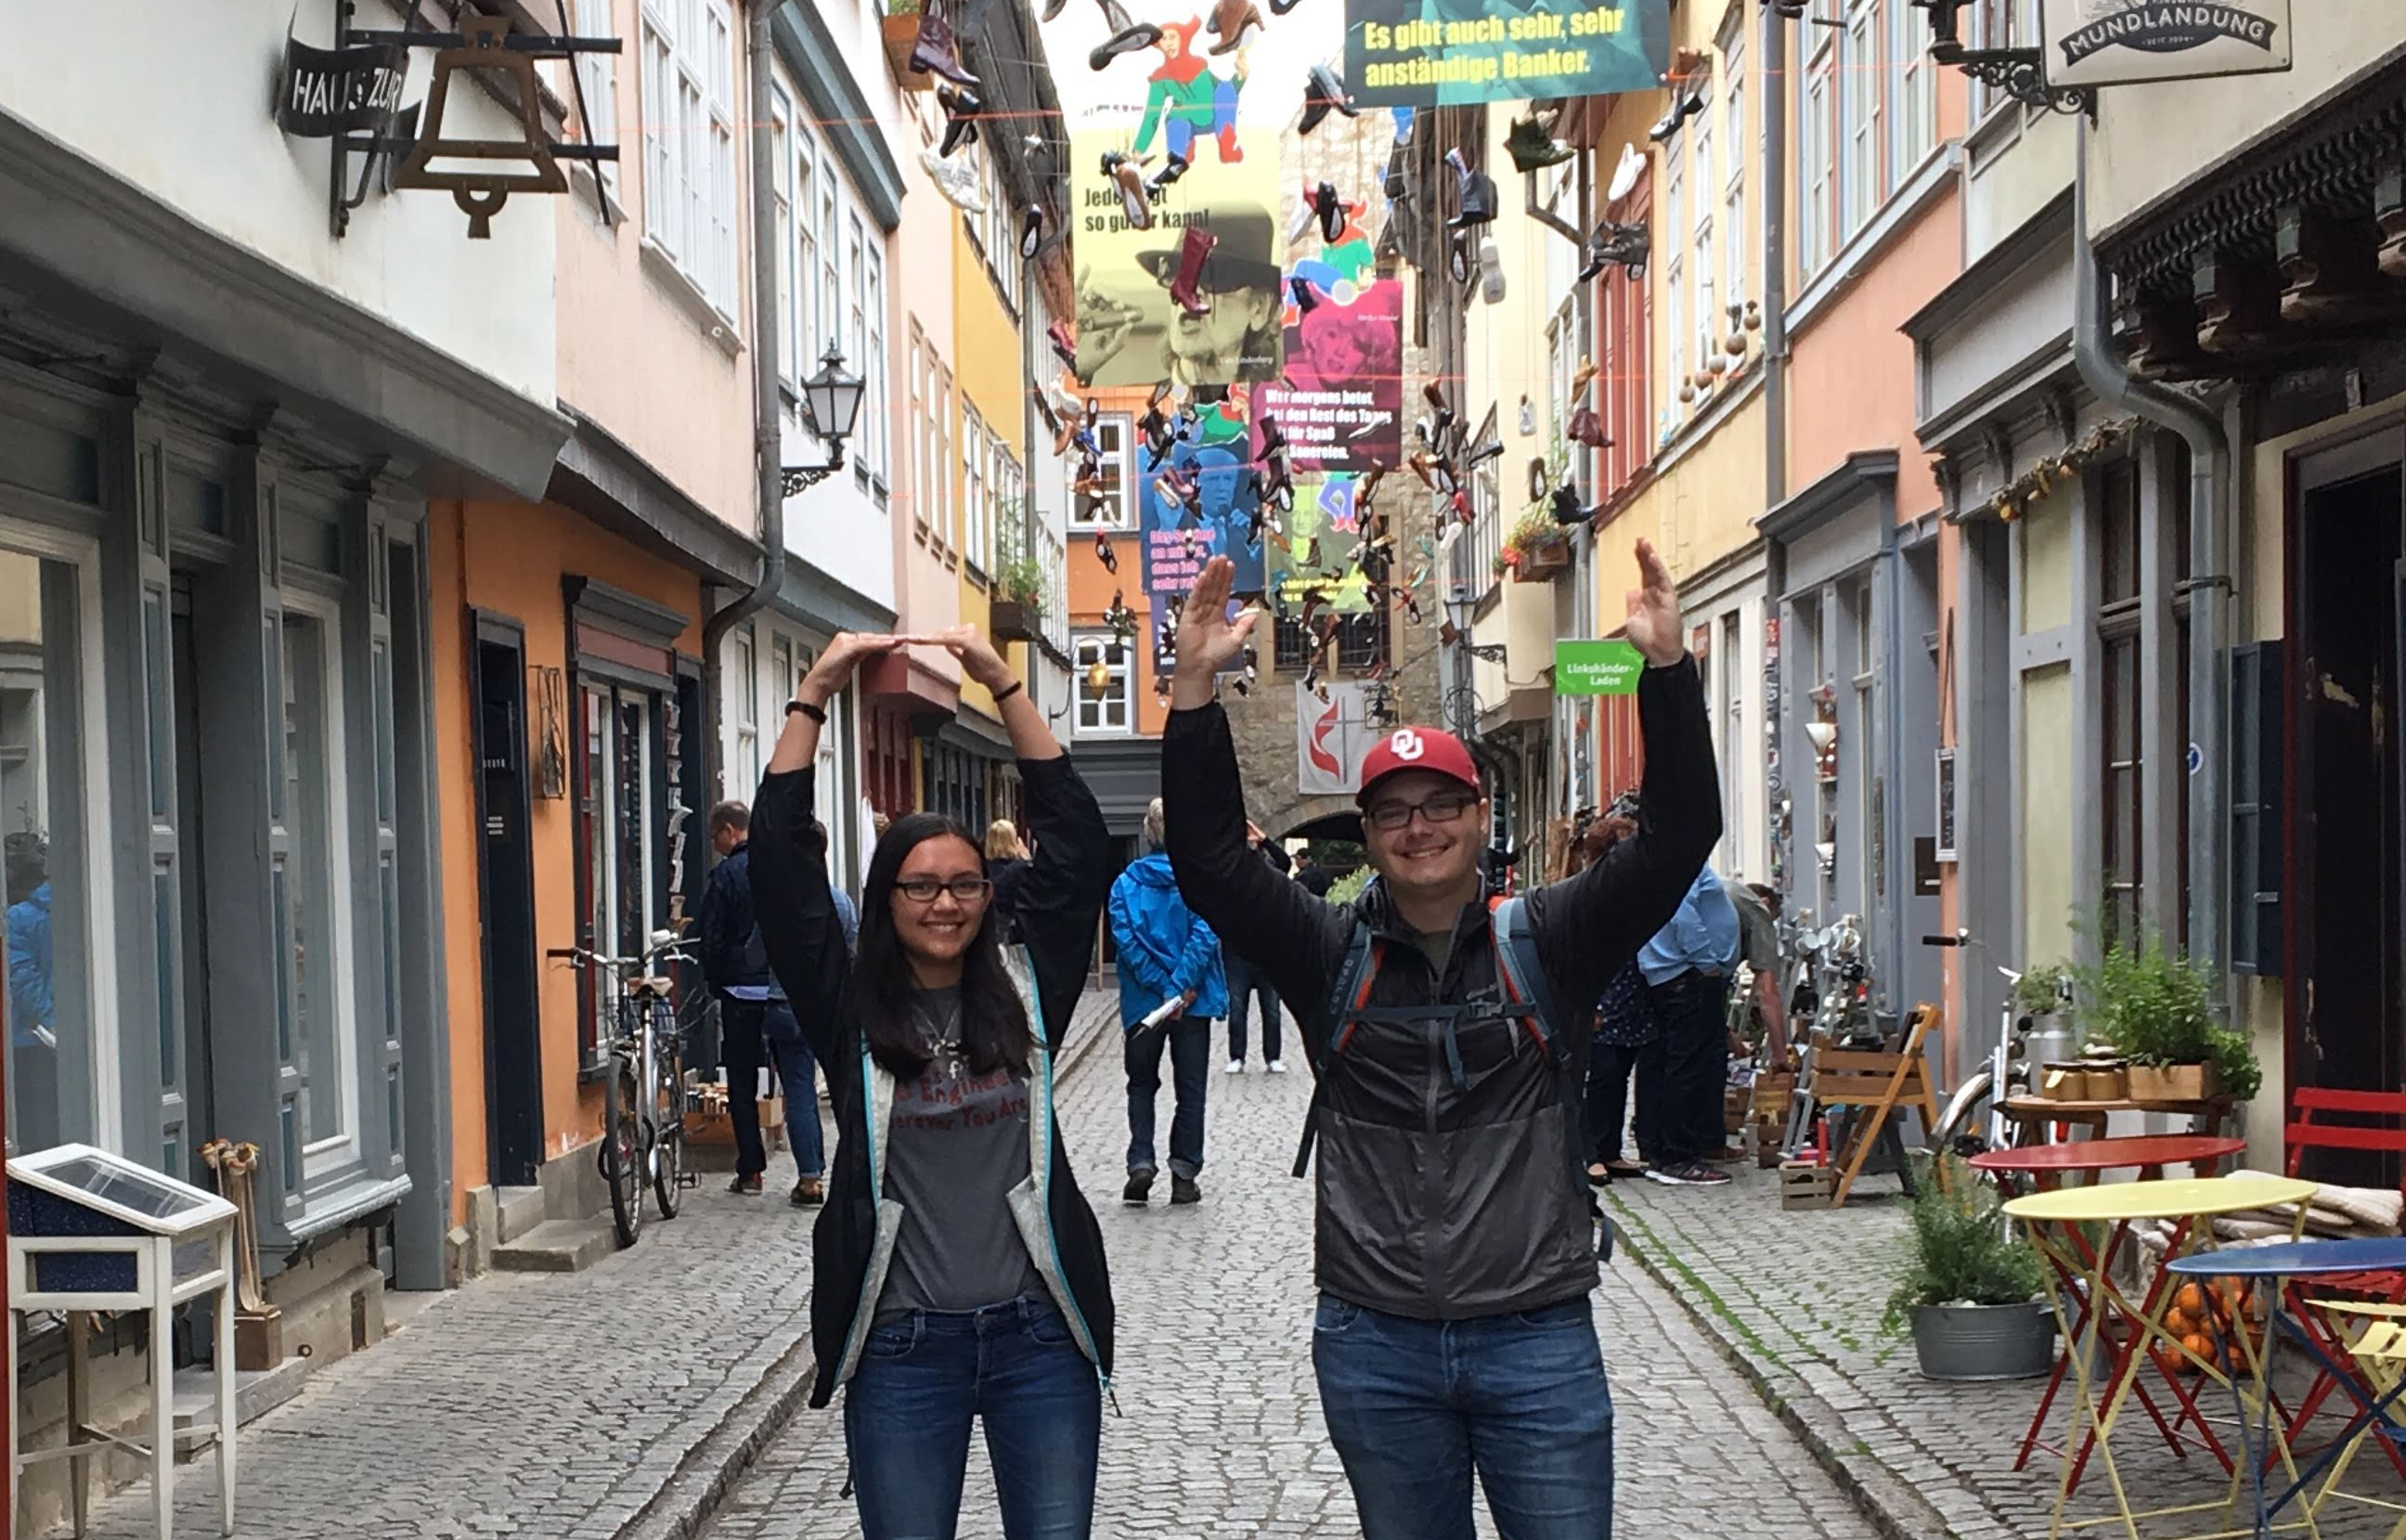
x=2054, y=1221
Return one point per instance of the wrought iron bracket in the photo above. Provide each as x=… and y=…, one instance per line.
x=796, y=479
x=1486, y=651
x=2020, y=74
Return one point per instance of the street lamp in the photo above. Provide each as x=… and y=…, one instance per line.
x=1458, y=607
x=831, y=406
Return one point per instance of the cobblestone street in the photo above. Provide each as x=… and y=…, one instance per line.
x=1220, y=1434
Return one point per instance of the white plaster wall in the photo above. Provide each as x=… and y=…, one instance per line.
x=174, y=98
x=2154, y=139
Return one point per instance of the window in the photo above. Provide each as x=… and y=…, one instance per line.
x=1361, y=642
x=1735, y=152
x=1700, y=259
x=52, y=938
x=614, y=781
x=1675, y=276
x=2122, y=699
x=920, y=426
x=744, y=686
x=689, y=141
x=1109, y=506
x=781, y=113
x=878, y=428
x=939, y=408
x=1622, y=391
x=974, y=531
x=1912, y=95
x=1816, y=153
x=311, y=874
x=830, y=266
x=1859, y=113
x=597, y=76
x=1110, y=709
x=1008, y=489
x=802, y=323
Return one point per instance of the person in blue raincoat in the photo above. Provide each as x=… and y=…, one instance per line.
x=1168, y=957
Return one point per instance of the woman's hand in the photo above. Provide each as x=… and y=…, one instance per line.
x=835, y=667
x=1654, y=624
x=979, y=659
x=1208, y=641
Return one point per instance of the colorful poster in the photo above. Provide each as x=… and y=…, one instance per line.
x=1456, y=52
x=1210, y=514
x=1342, y=404
x=1317, y=554
x=1163, y=303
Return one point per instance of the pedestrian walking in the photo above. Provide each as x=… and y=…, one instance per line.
x=958, y=1276
x=1248, y=985
x=1687, y=967
x=756, y=1025
x=1453, y=1244
x=1171, y=989
x=1758, y=930
x=1316, y=879
x=1627, y=1038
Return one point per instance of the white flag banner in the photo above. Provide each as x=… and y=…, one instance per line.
x=1331, y=736
x=2117, y=42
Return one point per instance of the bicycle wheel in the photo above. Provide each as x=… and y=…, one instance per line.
x=668, y=1120
x=622, y=1153
x=1967, y=1112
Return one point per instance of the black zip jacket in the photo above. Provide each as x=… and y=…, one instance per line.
x=1055, y=904
x=1437, y=1200
x=729, y=958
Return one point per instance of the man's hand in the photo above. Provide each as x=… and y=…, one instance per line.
x=1654, y=624
x=1253, y=835
x=1208, y=641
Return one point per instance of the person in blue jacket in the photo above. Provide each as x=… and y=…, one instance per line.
x=1167, y=956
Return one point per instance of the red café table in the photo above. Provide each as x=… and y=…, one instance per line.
x=2046, y=1167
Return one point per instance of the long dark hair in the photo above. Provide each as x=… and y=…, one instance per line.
x=995, y=1030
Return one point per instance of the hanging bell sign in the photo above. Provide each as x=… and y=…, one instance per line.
x=480, y=194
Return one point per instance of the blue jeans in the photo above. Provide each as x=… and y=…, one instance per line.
x=924, y=1377
x=1415, y=1406
x=1246, y=985
x=759, y=1032
x=1189, y=1041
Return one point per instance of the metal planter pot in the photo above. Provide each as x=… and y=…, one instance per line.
x=1959, y=1342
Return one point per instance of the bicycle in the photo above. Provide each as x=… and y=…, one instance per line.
x=644, y=1096
x=2008, y=1072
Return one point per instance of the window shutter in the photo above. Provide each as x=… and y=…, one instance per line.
x=2257, y=679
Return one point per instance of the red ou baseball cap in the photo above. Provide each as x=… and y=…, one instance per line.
x=1417, y=749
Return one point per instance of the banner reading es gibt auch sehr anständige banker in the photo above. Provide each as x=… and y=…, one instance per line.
x=1455, y=52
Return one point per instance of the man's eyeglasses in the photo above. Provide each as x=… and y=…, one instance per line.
x=923, y=890
x=1392, y=817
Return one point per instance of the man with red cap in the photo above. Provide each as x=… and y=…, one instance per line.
x=1454, y=1241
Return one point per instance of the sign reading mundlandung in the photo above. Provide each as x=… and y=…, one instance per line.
x=1456, y=52
x=2124, y=42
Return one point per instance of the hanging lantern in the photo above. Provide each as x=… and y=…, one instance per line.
x=1099, y=679
x=480, y=194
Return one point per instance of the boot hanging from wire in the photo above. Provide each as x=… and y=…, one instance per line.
x=936, y=50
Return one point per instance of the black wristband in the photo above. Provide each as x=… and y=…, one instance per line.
x=1008, y=690
x=813, y=713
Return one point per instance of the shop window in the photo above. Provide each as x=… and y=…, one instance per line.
x=618, y=773
x=2122, y=701
x=53, y=1029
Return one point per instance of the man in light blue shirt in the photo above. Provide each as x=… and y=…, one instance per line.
x=1688, y=965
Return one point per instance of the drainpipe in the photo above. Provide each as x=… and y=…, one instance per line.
x=2209, y=588
x=768, y=430
x=1774, y=375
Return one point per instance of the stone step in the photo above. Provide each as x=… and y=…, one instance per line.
x=256, y=1393
x=558, y=1246
x=521, y=1210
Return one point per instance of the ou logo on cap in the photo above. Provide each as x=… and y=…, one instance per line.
x=1407, y=744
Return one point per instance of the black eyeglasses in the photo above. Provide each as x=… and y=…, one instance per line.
x=1445, y=808
x=923, y=890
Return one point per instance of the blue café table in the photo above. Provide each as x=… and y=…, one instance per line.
x=2279, y=1269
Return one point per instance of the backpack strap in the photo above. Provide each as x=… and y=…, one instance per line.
x=1356, y=974
x=1525, y=976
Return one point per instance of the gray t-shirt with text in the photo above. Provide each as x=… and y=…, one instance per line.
x=959, y=1143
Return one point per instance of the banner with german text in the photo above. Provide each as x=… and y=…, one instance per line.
x=1456, y=52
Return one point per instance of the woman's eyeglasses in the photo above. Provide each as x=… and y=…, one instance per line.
x=1442, y=809
x=923, y=890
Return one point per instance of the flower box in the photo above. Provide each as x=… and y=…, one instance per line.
x=901, y=33
x=1012, y=621
x=1543, y=559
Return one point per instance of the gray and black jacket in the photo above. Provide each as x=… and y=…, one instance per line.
x=1054, y=908
x=1447, y=1193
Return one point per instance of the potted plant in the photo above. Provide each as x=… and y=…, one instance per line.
x=899, y=31
x=1969, y=1287
x=1539, y=548
x=2155, y=1007
x=1017, y=612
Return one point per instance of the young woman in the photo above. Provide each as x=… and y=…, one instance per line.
x=957, y=1274
x=1006, y=859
